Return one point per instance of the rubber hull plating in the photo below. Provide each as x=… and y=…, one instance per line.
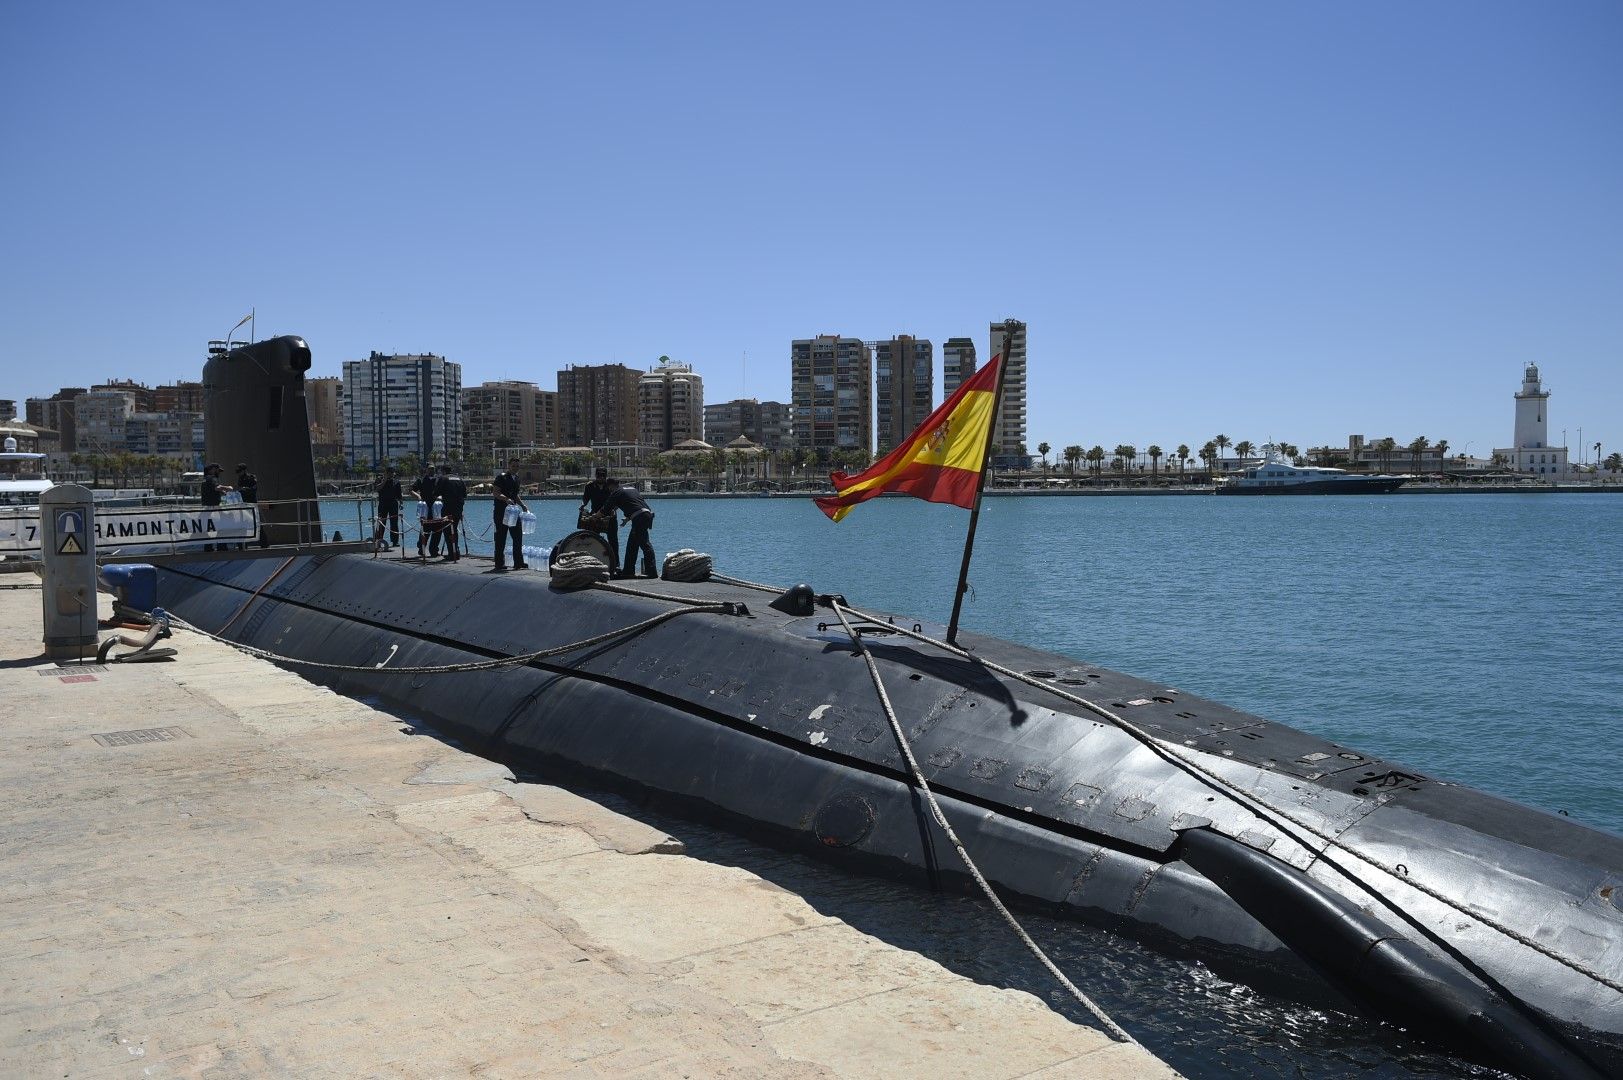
x=769, y=722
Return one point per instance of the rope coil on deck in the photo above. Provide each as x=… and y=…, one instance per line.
x=577, y=570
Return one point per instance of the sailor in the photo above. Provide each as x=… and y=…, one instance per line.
x=388, y=493
x=593, y=501
x=248, y=488
x=505, y=495
x=453, y=496
x=423, y=488
x=640, y=517
x=213, y=490
x=247, y=483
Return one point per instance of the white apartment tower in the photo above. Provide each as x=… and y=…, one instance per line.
x=670, y=405
x=1009, y=440
x=1532, y=452
x=396, y=405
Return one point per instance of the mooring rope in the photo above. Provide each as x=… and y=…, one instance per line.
x=958, y=845
x=1263, y=810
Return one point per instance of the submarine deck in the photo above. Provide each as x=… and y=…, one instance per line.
x=217, y=867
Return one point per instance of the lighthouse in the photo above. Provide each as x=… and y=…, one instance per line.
x=1531, y=451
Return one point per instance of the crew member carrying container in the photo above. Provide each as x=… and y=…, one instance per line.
x=424, y=488
x=453, y=498
x=507, y=506
x=595, y=516
x=640, y=516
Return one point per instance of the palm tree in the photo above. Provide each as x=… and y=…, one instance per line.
x=1096, y=457
x=1416, y=448
x=1155, y=453
x=1222, y=443
x=1289, y=451
x=1614, y=462
x=1073, y=454
x=1386, y=448
x=1442, y=453
x=1242, y=450
x=1208, y=454
x=1043, y=449
x=1183, y=457
x=1121, y=455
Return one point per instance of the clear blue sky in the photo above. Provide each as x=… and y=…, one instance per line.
x=1288, y=220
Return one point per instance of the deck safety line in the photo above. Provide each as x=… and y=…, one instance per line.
x=963, y=853
x=717, y=608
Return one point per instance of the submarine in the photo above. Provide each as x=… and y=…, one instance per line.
x=1307, y=868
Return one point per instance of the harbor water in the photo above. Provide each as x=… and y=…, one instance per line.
x=1469, y=637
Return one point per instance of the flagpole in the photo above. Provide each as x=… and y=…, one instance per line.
x=980, y=485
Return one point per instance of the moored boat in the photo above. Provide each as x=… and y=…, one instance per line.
x=1278, y=475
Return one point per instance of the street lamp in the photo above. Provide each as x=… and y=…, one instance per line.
x=246, y=318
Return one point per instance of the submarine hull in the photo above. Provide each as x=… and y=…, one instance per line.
x=1411, y=888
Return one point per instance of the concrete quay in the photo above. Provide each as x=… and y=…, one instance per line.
x=217, y=869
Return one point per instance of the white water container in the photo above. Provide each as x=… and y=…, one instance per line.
x=231, y=498
x=439, y=508
x=527, y=518
x=422, y=510
x=510, y=516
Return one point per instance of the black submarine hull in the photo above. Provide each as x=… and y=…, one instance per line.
x=1486, y=923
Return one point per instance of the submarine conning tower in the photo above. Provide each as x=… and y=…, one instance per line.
x=254, y=412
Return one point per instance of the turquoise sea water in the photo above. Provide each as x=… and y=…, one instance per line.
x=1471, y=637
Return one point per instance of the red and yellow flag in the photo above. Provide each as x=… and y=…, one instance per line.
x=940, y=462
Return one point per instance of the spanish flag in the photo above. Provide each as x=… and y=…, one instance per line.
x=940, y=462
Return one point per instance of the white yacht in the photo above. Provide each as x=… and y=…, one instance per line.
x=1277, y=475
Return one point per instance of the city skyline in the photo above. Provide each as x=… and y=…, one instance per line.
x=1212, y=219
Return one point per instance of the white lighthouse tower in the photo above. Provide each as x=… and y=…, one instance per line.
x=1532, y=452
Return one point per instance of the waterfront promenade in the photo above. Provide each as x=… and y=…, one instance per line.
x=217, y=869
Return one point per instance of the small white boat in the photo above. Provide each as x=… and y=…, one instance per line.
x=127, y=520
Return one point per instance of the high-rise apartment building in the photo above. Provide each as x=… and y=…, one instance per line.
x=831, y=389
x=767, y=424
x=670, y=405
x=100, y=417
x=144, y=397
x=1009, y=440
x=396, y=405
x=496, y=415
x=180, y=397
x=324, y=404
x=957, y=364
x=904, y=387
x=597, y=404
x=56, y=413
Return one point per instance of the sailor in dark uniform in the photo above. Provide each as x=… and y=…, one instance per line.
x=593, y=501
x=248, y=488
x=453, y=496
x=388, y=492
x=213, y=491
x=506, y=494
x=423, y=487
x=640, y=517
